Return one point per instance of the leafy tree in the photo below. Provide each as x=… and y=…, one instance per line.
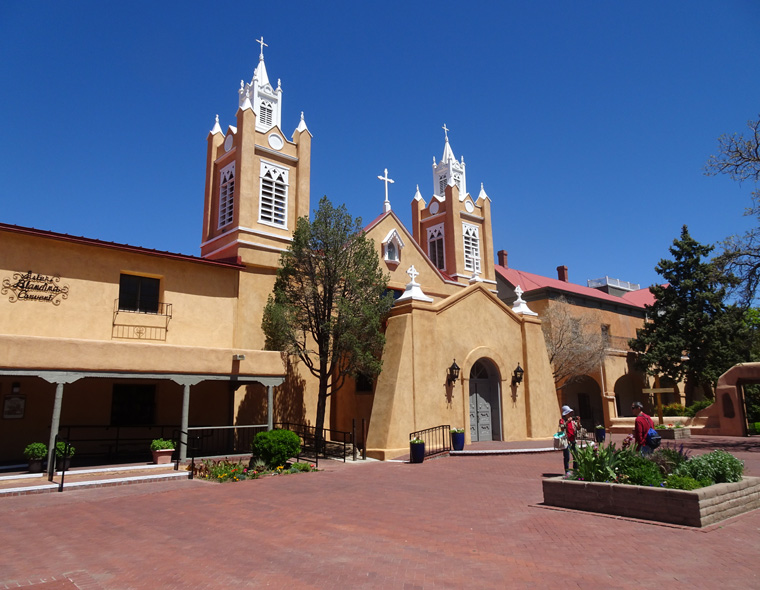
x=690, y=332
x=739, y=157
x=574, y=341
x=329, y=301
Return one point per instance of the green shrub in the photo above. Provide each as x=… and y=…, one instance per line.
x=636, y=470
x=595, y=464
x=276, y=447
x=60, y=450
x=753, y=428
x=161, y=444
x=717, y=466
x=692, y=410
x=673, y=410
x=36, y=450
x=684, y=482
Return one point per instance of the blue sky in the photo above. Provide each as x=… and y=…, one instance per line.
x=589, y=123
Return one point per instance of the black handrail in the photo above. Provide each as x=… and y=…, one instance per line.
x=437, y=439
x=66, y=455
x=177, y=438
x=309, y=434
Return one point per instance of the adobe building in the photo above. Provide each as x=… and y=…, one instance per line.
x=112, y=345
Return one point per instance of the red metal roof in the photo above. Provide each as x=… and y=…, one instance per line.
x=531, y=282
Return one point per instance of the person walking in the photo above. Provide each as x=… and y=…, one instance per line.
x=641, y=427
x=567, y=425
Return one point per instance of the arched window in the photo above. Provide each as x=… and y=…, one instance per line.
x=435, y=246
x=226, y=194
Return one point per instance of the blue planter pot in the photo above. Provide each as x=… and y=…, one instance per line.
x=457, y=441
x=416, y=452
x=600, y=435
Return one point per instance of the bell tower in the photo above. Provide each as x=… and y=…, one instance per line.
x=257, y=180
x=453, y=228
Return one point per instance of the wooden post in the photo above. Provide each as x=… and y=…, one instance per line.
x=658, y=397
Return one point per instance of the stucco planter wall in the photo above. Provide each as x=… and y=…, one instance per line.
x=697, y=508
x=674, y=433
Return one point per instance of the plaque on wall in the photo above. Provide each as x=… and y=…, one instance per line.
x=30, y=286
x=13, y=406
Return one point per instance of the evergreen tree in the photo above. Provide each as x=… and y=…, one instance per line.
x=329, y=301
x=690, y=333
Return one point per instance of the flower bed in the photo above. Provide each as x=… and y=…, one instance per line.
x=697, y=508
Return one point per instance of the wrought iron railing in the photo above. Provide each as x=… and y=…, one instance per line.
x=192, y=448
x=114, y=442
x=437, y=439
x=333, y=443
x=217, y=441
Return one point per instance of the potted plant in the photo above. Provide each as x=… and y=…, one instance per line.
x=600, y=433
x=35, y=453
x=162, y=450
x=416, y=450
x=457, y=439
x=62, y=459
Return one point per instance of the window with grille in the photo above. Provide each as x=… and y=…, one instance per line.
x=138, y=293
x=435, y=246
x=265, y=114
x=458, y=181
x=471, y=247
x=273, y=207
x=226, y=194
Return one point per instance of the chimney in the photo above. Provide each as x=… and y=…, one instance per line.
x=502, y=254
x=562, y=273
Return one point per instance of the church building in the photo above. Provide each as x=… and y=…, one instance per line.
x=112, y=345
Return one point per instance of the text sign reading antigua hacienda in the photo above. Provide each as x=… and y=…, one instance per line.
x=29, y=286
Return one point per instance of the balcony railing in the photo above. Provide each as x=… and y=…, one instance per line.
x=141, y=324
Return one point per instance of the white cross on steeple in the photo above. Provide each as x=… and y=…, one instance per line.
x=446, y=131
x=413, y=274
x=261, y=42
x=386, y=180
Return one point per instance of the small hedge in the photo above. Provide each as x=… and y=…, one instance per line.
x=276, y=447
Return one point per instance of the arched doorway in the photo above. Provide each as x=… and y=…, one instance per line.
x=485, y=402
x=585, y=397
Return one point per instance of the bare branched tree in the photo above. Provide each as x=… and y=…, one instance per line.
x=574, y=341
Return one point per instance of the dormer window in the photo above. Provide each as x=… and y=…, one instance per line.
x=392, y=246
x=226, y=194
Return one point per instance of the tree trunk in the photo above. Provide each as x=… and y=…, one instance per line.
x=321, y=408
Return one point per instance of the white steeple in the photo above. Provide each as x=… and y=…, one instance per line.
x=265, y=100
x=449, y=171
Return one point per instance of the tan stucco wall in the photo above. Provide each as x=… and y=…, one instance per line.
x=203, y=296
x=422, y=339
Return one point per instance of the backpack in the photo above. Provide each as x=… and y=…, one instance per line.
x=652, y=439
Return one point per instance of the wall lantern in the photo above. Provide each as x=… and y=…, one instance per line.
x=517, y=375
x=453, y=373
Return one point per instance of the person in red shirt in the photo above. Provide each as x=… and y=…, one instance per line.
x=567, y=424
x=641, y=427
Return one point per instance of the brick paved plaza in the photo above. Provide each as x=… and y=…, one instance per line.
x=452, y=522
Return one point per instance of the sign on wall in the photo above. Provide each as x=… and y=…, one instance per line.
x=29, y=286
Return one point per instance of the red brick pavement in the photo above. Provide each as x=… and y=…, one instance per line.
x=452, y=522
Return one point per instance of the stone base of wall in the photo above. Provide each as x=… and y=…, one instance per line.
x=697, y=508
x=674, y=433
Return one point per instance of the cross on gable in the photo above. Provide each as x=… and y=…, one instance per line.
x=413, y=274
x=386, y=180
